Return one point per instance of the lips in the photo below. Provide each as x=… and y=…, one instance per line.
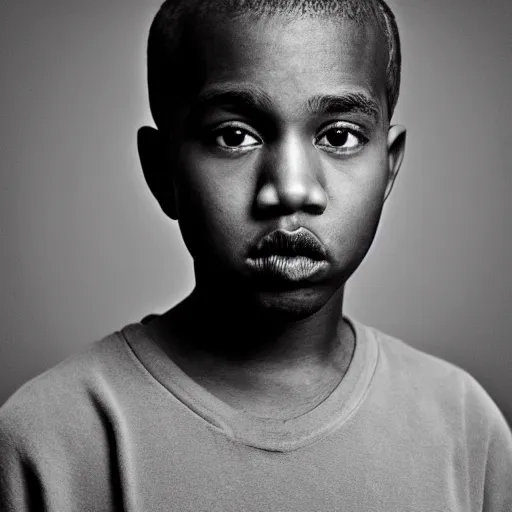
x=288, y=256
x=300, y=242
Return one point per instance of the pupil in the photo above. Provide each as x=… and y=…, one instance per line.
x=337, y=137
x=234, y=137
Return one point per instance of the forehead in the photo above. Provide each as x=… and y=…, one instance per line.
x=290, y=59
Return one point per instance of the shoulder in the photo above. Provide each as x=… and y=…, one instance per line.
x=439, y=410
x=56, y=431
x=438, y=386
x=61, y=401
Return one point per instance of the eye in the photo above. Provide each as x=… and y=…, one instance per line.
x=341, y=139
x=234, y=137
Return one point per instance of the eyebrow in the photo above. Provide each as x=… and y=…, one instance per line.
x=250, y=98
x=246, y=97
x=345, y=104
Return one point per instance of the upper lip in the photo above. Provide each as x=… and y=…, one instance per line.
x=300, y=242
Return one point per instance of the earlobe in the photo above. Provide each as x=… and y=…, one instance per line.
x=158, y=175
x=396, y=150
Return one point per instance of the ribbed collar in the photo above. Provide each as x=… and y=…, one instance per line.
x=263, y=433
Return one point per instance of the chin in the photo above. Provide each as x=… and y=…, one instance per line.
x=291, y=305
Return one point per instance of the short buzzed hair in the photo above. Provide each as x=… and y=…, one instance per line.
x=166, y=47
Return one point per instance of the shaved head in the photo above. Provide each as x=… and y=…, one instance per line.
x=169, y=50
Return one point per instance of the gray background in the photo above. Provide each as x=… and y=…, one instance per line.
x=85, y=250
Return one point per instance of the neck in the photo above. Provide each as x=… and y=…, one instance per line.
x=243, y=334
x=257, y=360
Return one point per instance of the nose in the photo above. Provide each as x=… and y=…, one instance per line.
x=291, y=180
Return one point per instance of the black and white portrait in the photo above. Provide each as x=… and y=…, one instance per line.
x=255, y=255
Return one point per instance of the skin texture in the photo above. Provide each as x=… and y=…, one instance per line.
x=231, y=174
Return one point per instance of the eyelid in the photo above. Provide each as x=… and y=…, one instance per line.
x=352, y=127
x=353, y=130
x=236, y=124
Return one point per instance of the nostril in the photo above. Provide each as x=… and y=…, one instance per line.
x=317, y=200
x=276, y=199
x=314, y=208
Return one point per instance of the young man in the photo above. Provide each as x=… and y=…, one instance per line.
x=275, y=153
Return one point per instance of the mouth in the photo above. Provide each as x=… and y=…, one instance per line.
x=291, y=256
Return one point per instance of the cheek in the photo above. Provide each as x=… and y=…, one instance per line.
x=357, y=196
x=212, y=205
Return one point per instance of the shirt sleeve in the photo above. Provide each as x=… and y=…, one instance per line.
x=498, y=471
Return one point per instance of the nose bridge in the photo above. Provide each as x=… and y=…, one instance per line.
x=292, y=178
x=293, y=171
x=292, y=167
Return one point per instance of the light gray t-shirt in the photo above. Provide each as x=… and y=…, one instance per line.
x=120, y=427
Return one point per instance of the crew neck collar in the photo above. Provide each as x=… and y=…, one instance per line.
x=263, y=433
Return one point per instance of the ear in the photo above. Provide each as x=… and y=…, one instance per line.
x=158, y=173
x=396, y=150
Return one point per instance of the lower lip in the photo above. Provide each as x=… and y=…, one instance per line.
x=288, y=268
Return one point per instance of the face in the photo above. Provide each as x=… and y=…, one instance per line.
x=281, y=157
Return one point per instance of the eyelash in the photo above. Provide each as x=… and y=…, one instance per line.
x=348, y=128
x=218, y=132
